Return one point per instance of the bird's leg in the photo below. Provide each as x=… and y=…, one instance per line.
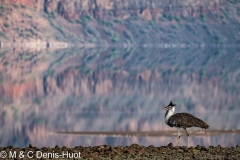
x=179, y=135
x=187, y=137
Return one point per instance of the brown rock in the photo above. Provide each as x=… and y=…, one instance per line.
x=57, y=147
x=145, y=76
x=170, y=145
x=191, y=148
x=151, y=146
x=146, y=14
x=44, y=148
x=203, y=148
x=176, y=147
x=198, y=147
x=119, y=147
x=135, y=146
x=31, y=146
x=10, y=147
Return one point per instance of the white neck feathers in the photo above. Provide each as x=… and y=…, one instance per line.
x=168, y=114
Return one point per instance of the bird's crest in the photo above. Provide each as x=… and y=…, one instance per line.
x=171, y=104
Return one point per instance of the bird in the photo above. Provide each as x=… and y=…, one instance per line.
x=182, y=120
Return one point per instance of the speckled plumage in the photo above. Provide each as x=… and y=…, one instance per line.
x=186, y=120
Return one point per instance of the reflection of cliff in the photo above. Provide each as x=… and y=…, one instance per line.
x=191, y=89
x=187, y=73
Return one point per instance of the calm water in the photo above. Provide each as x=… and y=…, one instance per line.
x=116, y=89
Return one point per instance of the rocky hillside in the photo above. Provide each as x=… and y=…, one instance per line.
x=121, y=22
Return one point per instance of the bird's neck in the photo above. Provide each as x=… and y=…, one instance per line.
x=168, y=114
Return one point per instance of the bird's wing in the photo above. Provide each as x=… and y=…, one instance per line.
x=186, y=120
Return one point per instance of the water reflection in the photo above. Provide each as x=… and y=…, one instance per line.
x=116, y=90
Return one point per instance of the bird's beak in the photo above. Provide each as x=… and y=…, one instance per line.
x=164, y=108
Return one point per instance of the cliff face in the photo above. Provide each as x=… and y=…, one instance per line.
x=99, y=8
x=146, y=9
x=38, y=4
x=133, y=21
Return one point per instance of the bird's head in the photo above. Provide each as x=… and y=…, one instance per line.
x=170, y=106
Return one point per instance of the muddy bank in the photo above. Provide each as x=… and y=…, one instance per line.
x=134, y=151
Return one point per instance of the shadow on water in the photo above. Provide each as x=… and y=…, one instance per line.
x=118, y=91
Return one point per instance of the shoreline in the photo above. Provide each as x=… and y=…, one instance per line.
x=35, y=45
x=134, y=151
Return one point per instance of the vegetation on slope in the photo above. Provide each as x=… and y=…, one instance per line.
x=177, y=25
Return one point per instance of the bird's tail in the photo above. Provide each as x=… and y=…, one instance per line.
x=200, y=123
x=205, y=126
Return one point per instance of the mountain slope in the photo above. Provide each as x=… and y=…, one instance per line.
x=121, y=22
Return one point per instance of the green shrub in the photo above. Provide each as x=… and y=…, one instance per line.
x=142, y=31
x=29, y=16
x=7, y=25
x=207, y=29
x=114, y=53
x=127, y=34
x=51, y=15
x=117, y=20
x=26, y=34
x=38, y=101
x=223, y=16
x=90, y=30
x=115, y=39
x=170, y=18
x=217, y=38
x=88, y=17
x=177, y=18
x=15, y=113
x=15, y=5
x=107, y=24
x=79, y=21
x=2, y=8
x=151, y=23
x=4, y=113
x=233, y=1
x=2, y=34
x=167, y=16
x=86, y=71
x=108, y=32
x=23, y=6
x=134, y=16
x=72, y=21
x=110, y=13
x=203, y=17
x=85, y=19
x=6, y=63
x=59, y=28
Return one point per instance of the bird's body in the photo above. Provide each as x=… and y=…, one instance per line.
x=182, y=120
x=186, y=120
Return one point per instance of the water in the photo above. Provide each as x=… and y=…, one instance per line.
x=119, y=90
